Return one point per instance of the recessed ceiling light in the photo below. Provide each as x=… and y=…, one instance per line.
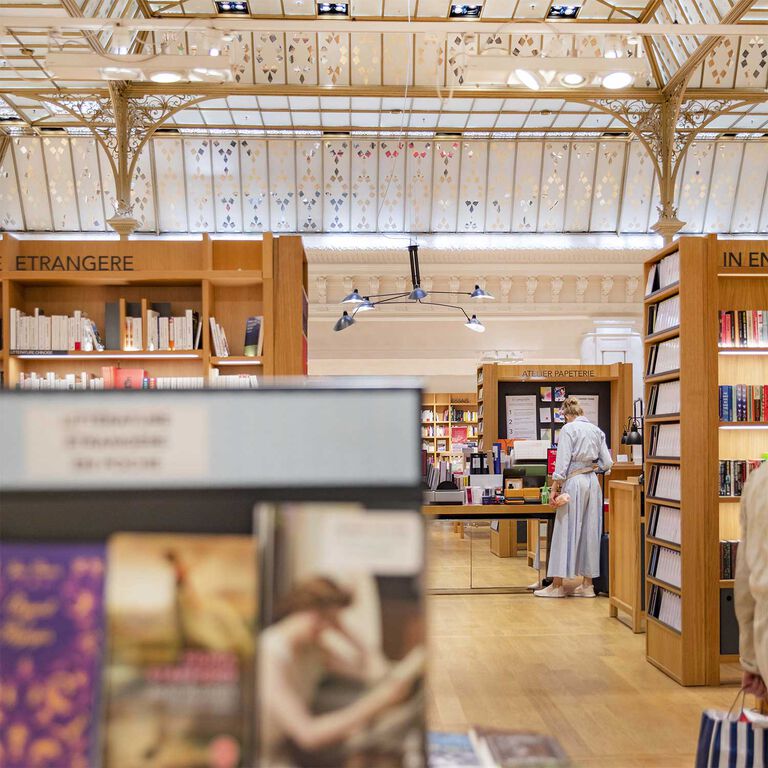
x=466, y=11
x=616, y=80
x=573, y=79
x=239, y=7
x=563, y=11
x=332, y=9
x=528, y=79
x=166, y=76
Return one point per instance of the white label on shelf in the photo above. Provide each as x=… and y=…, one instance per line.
x=97, y=443
x=382, y=543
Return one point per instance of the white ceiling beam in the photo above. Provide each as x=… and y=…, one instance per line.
x=10, y=19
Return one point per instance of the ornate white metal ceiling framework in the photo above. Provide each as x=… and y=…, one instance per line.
x=296, y=92
x=240, y=184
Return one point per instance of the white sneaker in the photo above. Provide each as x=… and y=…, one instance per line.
x=550, y=591
x=582, y=591
x=535, y=585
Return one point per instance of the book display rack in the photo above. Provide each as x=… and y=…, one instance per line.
x=705, y=302
x=448, y=423
x=151, y=313
x=158, y=589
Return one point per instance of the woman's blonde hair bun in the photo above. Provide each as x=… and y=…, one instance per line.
x=572, y=407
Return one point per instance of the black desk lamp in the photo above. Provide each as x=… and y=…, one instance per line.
x=633, y=432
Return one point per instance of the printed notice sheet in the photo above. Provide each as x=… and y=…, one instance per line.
x=521, y=417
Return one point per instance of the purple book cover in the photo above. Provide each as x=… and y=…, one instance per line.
x=51, y=643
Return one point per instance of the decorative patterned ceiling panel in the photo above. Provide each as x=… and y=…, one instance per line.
x=231, y=184
x=437, y=60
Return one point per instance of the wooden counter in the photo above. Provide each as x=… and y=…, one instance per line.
x=625, y=561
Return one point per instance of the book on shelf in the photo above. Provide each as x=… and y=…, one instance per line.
x=663, y=357
x=728, y=550
x=734, y=473
x=111, y=378
x=665, y=606
x=232, y=381
x=167, y=333
x=743, y=402
x=219, y=337
x=372, y=559
x=517, y=749
x=663, y=273
x=744, y=328
x=664, y=398
x=51, y=646
x=664, y=482
x=181, y=648
x=665, y=440
x=254, y=337
x=39, y=332
x=427, y=414
x=664, y=523
x=666, y=565
x=664, y=315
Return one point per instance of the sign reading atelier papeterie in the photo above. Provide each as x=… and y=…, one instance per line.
x=558, y=373
x=744, y=259
x=74, y=264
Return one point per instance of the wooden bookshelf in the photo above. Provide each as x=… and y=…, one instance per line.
x=709, y=281
x=226, y=279
x=440, y=404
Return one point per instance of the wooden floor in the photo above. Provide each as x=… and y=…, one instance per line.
x=561, y=667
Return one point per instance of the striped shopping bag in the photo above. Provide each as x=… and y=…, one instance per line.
x=733, y=739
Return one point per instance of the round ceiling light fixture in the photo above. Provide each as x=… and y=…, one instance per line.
x=166, y=76
x=616, y=80
x=573, y=79
x=528, y=79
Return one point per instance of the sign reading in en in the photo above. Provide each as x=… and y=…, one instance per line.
x=744, y=260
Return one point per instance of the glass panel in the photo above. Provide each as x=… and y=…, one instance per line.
x=448, y=562
x=500, y=554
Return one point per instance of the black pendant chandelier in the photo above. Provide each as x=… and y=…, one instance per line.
x=417, y=294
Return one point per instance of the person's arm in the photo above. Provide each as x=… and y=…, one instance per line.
x=563, y=459
x=311, y=732
x=604, y=460
x=744, y=601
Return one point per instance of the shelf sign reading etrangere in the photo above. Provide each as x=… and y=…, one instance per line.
x=744, y=259
x=74, y=264
x=97, y=444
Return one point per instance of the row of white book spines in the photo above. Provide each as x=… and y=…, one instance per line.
x=667, y=314
x=665, y=524
x=45, y=333
x=664, y=357
x=666, y=606
x=668, y=271
x=163, y=333
x=84, y=381
x=664, y=482
x=666, y=565
x=667, y=398
x=665, y=440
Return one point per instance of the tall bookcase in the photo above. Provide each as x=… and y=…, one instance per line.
x=434, y=410
x=226, y=279
x=714, y=275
